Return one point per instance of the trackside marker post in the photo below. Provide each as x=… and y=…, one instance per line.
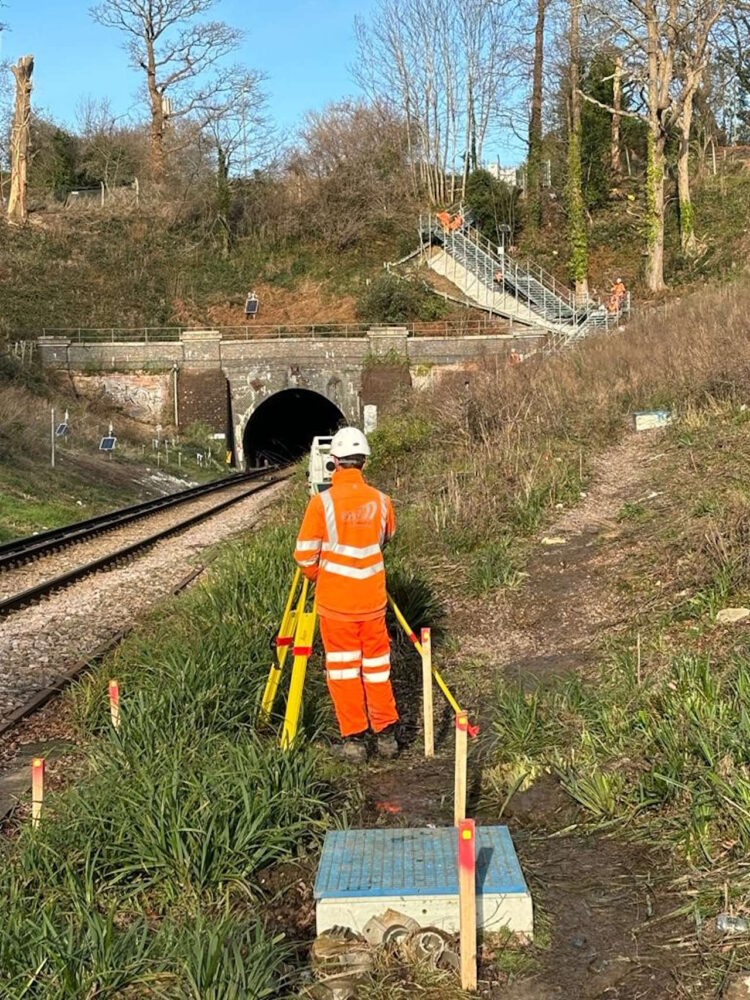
x=459, y=791
x=467, y=903
x=37, y=790
x=114, y=703
x=429, y=733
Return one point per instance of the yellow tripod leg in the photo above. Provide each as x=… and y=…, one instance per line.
x=303, y=642
x=418, y=646
x=283, y=643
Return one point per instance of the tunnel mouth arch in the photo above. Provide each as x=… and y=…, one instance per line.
x=281, y=428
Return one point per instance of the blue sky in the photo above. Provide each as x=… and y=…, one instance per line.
x=304, y=46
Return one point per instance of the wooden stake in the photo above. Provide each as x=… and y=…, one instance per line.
x=638, y=659
x=114, y=703
x=467, y=903
x=429, y=731
x=462, y=746
x=37, y=790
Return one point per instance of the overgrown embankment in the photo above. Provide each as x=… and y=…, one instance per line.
x=614, y=704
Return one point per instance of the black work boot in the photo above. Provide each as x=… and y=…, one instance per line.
x=351, y=749
x=386, y=743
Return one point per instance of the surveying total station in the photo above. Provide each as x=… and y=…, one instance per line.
x=321, y=467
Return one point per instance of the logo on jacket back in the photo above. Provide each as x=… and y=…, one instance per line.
x=361, y=515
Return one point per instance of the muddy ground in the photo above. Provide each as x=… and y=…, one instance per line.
x=602, y=903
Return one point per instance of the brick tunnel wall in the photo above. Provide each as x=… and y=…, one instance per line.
x=202, y=398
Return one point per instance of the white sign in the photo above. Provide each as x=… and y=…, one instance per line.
x=371, y=418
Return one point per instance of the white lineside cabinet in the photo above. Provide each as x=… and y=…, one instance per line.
x=362, y=873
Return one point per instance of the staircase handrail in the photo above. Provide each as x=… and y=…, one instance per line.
x=545, y=279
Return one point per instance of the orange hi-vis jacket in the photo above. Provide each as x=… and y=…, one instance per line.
x=340, y=547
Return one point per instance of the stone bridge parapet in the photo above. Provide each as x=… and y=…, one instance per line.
x=255, y=369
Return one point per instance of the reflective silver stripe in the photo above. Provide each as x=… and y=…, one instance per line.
x=330, y=515
x=312, y=546
x=348, y=674
x=354, y=573
x=344, y=657
x=383, y=517
x=380, y=678
x=306, y=562
x=376, y=661
x=353, y=551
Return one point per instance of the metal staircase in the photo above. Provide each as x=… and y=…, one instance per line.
x=501, y=285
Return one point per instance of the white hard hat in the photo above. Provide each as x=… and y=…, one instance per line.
x=349, y=441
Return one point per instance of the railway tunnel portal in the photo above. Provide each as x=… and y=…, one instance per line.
x=281, y=428
x=268, y=396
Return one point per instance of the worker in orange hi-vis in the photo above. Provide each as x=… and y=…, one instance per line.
x=340, y=547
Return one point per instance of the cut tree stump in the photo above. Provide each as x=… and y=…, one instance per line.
x=19, y=141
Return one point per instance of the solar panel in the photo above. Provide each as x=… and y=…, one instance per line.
x=61, y=430
x=251, y=306
x=107, y=444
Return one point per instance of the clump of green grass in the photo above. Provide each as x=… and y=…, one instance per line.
x=130, y=884
x=667, y=757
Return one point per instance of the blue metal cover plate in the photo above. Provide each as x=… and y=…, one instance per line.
x=422, y=862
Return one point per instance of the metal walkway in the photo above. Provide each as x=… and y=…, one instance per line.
x=499, y=284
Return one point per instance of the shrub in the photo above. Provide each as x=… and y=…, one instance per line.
x=393, y=300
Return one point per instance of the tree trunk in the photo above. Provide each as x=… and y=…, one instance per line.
x=533, y=189
x=19, y=141
x=687, y=221
x=655, y=213
x=616, y=105
x=577, y=236
x=659, y=81
x=223, y=201
x=158, y=119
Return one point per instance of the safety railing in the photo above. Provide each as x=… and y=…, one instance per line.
x=491, y=274
x=459, y=326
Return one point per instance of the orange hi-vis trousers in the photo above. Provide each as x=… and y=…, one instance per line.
x=358, y=670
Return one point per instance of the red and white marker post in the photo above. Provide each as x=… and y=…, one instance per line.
x=114, y=703
x=462, y=750
x=37, y=790
x=467, y=903
x=429, y=724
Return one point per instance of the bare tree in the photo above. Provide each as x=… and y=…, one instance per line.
x=693, y=40
x=110, y=152
x=614, y=153
x=443, y=68
x=577, y=235
x=534, y=160
x=176, y=51
x=238, y=131
x=668, y=45
x=19, y=141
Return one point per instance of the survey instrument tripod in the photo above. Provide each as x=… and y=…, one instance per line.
x=297, y=633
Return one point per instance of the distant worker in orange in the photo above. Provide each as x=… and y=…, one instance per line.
x=617, y=296
x=340, y=547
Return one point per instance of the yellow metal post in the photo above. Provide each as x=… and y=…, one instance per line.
x=303, y=642
x=283, y=643
x=418, y=646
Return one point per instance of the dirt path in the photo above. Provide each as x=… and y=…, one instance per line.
x=596, y=899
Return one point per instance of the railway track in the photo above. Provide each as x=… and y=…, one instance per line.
x=21, y=551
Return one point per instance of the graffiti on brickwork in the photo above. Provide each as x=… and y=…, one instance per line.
x=142, y=397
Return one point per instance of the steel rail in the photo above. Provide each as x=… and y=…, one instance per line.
x=31, y=594
x=34, y=546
